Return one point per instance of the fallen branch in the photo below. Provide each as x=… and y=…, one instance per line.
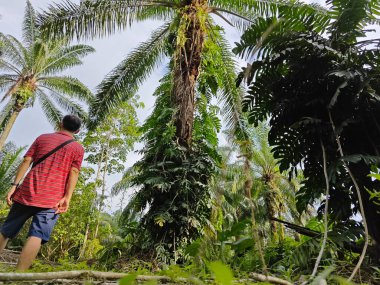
x=8, y=263
x=301, y=230
x=65, y=276
x=271, y=279
x=11, y=251
x=75, y=275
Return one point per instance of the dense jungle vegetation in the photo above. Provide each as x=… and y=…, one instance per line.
x=293, y=194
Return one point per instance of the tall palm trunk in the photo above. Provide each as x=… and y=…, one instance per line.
x=248, y=184
x=4, y=135
x=271, y=211
x=187, y=64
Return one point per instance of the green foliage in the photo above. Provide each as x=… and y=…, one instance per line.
x=177, y=211
x=374, y=193
x=307, y=82
x=172, y=180
x=10, y=158
x=128, y=280
x=61, y=265
x=114, y=138
x=343, y=281
x=223, y=274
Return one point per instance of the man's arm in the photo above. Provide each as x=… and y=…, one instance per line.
x=63, y=205
x=23, y=168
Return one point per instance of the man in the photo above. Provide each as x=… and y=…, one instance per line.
x=46, y=190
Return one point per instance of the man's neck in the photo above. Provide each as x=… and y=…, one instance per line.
x=66, y=132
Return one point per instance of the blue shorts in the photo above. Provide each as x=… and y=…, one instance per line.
x=42, y=224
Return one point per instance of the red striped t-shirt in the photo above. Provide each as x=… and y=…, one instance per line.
x=46, y=183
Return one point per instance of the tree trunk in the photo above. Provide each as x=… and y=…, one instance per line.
x=4, y=135
x=187, y=61
x=271, y=210
x=103, y=190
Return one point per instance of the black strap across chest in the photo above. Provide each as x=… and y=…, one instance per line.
x=51, y=152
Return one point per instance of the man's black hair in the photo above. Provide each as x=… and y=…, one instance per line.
x=71, y=123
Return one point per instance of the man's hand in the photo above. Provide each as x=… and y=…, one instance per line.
x=10, y=194
x=62, y=206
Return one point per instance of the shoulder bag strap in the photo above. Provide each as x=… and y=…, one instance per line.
x=51, y=152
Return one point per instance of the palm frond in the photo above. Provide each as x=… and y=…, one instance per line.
x=53, y=114
x=230, y=95
x=67, y=104
x=6, y=80
x=6, y=66
x=9, y=162
x=157, y=12
x=12, y=50
x=257, y=41
x=122, y=83
x=29, y=25
x=268, y=8
x=351, y=16
x=137, y=204
x=68, y=85
x=65, y=57
x=125, y=182
x=242, y=20
x=39, y=55
x=90, y=19
x=5, y=114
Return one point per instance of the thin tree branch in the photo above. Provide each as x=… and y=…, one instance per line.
x=224, y=18
x=271, y=279
x=324, y=241
x=357, y=267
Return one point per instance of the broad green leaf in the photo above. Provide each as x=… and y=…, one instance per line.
x=223, y=274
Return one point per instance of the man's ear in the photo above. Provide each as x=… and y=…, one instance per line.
x=76, y=132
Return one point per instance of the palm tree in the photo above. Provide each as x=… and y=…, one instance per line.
x=29, y=71
x=273, y=186
x=185, y=37
x=10, y=158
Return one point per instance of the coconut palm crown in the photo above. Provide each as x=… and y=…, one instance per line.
x=29, y=70
x=189, y=36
